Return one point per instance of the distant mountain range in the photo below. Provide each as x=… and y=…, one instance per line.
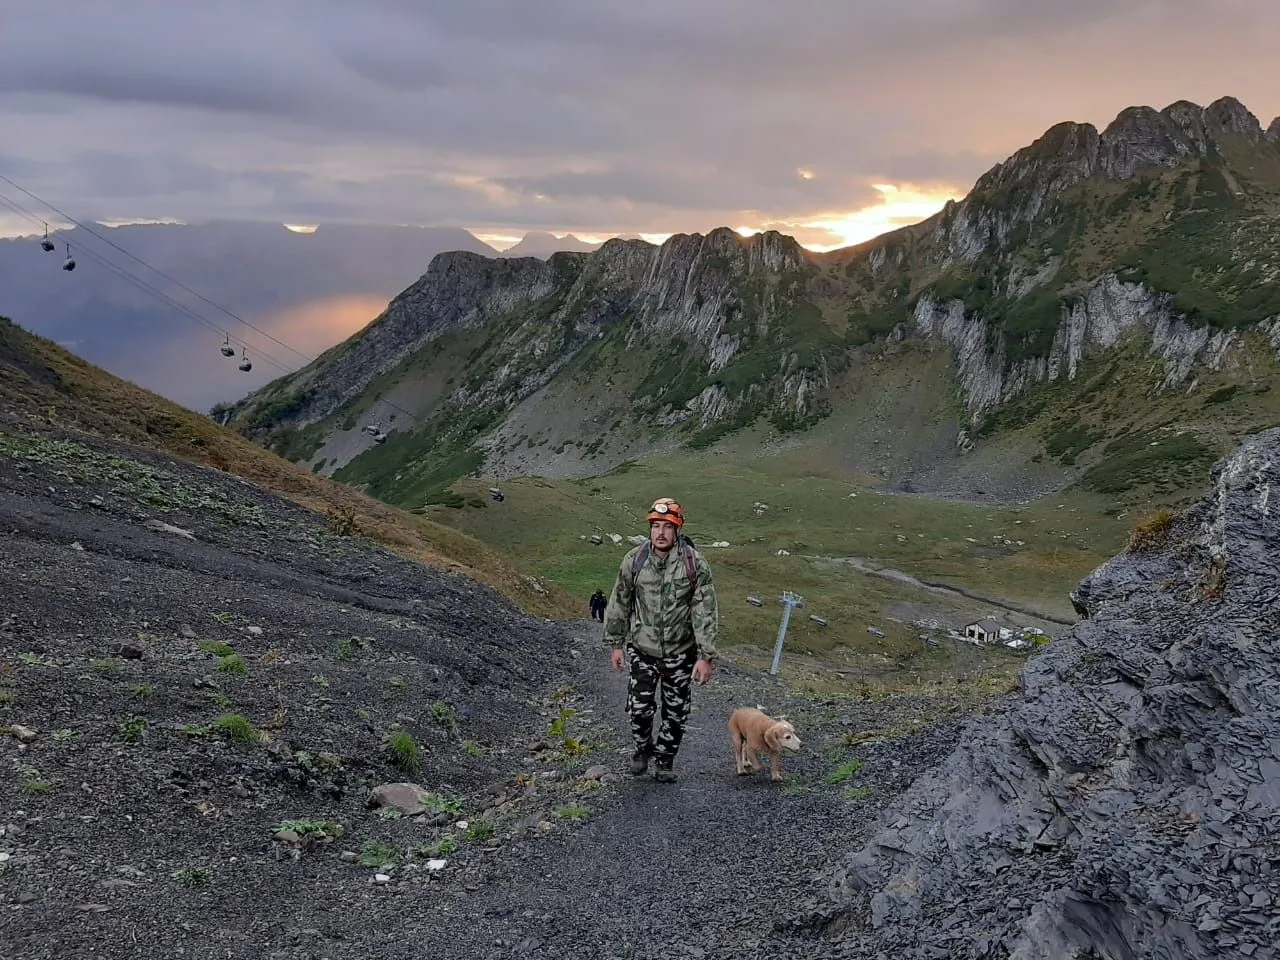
x=541, y=244
x=307, y=289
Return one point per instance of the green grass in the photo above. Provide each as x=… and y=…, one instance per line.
x=544, y=521
x=236, y=729
x=403, y=751
x=1148, y=457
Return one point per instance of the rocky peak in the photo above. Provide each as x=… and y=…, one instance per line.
x=1142, y=137
x=1228, y=116
x=1126, y=802
x=1014, y=192
x=1273, y=131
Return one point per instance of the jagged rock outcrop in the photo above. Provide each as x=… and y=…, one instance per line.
x=1273, y=131
x=1098, y=318
x=1126, y=802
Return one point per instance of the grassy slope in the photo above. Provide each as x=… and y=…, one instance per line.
x=813, y=517
x=45, y=385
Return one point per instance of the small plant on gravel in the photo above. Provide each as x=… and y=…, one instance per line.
x=1149, y=532
x=194, y=729
x=32, y=659
x=8, y=698
x=104, y=666
x=221, y=700
x=348, y=648
x=475, y=749
x=844, y=771
x=320, y=680
x=342, y=522
x=193, y=877
x=233, y=665
x=390, y=813
x=217, y=648
x=223, y=616
x=148, y=638
x=573, y=813
x=403, y=751
x=237, y=729
x=33, y=780
x=443, y=803
x=558, y=726
x=64, y=736
x=376, y=854
x=857, y=793
x=445, y=715
x=132, y=728
x=573, y=747
x=480, y=831
x=141, y=690
x=439, y=848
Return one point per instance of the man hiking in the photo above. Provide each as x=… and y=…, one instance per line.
x=662, y=619
x=598, y=603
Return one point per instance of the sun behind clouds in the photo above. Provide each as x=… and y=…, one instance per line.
x=900, y=205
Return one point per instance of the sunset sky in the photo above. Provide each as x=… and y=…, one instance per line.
x=832, y=120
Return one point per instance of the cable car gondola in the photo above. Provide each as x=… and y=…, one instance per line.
x=46, y=244
x=245, y=363
x=68, y=264
x=227, y=349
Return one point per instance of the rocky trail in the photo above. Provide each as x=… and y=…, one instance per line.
x=202, y=688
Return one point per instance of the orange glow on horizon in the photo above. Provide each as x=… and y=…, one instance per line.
x=899, y=206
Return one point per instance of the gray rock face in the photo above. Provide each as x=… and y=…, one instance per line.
x=1273, y=131
x=1100, y=316
x=1126, y=802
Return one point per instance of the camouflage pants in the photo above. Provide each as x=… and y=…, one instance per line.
x=673, y=677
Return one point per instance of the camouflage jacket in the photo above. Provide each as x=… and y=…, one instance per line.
x=670, y=615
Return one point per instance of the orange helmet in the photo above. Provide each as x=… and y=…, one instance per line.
x=666, y=509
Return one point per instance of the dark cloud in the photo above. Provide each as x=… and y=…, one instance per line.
x=578, y=114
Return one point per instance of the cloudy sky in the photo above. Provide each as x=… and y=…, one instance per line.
x=829, y=119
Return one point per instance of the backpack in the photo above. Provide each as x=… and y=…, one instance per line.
x=687, y=551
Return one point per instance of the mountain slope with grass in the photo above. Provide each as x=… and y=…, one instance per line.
x=1137, y=263
x=45, y=386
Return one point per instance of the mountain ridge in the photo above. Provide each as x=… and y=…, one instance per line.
x=1075, y=244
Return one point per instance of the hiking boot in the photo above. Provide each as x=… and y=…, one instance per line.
x=663, y=773
x=639, y=765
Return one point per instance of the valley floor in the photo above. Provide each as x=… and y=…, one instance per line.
x=187, y=665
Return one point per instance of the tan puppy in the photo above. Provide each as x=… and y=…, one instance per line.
x=754, y=733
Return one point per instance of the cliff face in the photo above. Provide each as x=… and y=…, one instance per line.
x=1102, y=314
x=1126, y=802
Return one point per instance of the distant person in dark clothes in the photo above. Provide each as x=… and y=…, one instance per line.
x=598, y=604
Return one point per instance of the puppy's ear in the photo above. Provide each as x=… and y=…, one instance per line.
x=771, y=736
